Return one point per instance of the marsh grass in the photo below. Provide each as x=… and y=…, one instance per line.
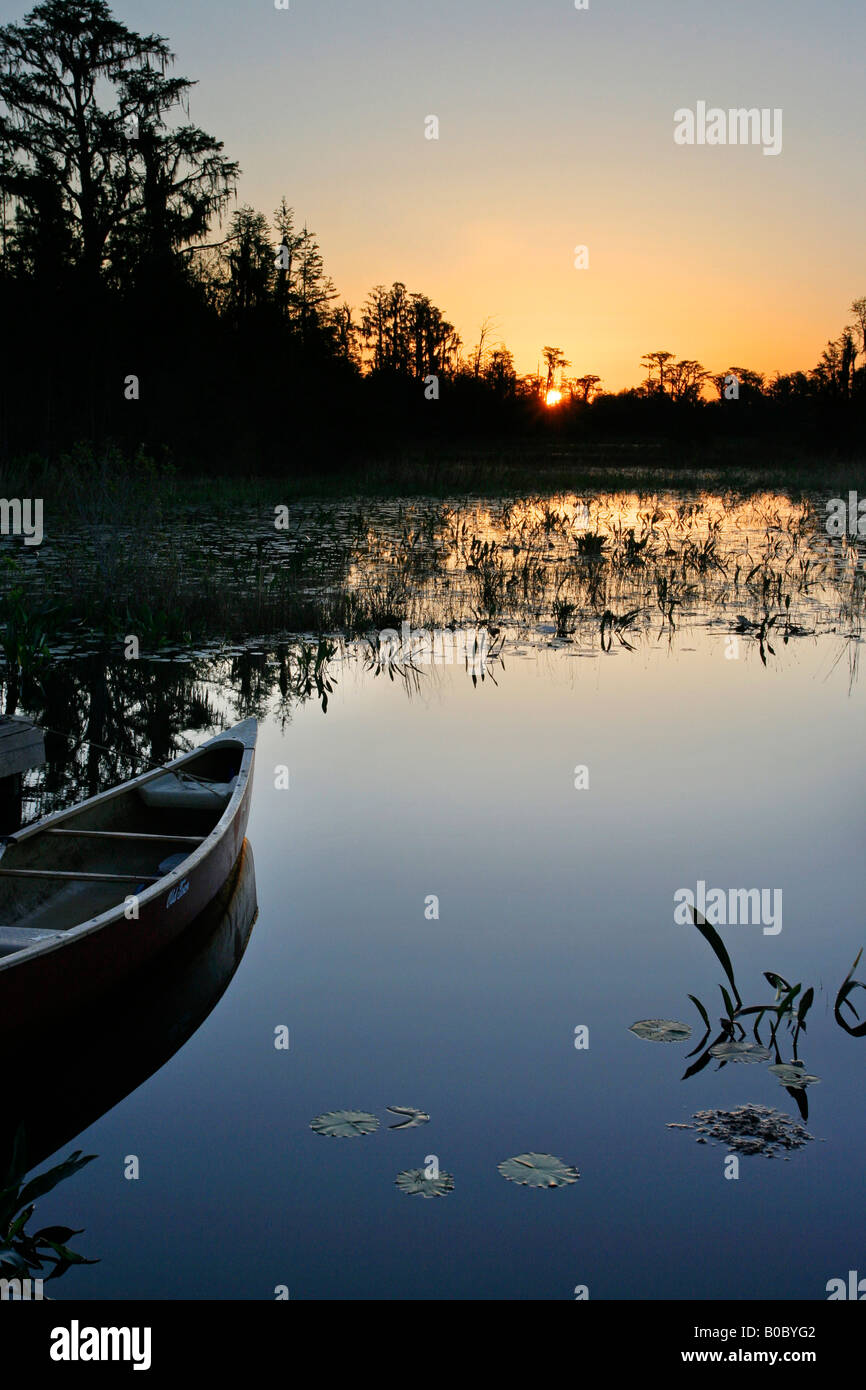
x=605, y=571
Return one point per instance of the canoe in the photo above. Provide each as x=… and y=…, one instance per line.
x=112, y=1047
x=91, y=894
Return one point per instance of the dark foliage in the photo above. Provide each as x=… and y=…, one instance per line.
x=138, y=312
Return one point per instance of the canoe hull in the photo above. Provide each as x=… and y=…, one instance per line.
x=116, y=1043
x=50, y=983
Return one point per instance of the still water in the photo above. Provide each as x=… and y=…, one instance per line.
x=472, y=869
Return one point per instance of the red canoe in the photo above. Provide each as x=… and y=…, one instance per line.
x=89, y=895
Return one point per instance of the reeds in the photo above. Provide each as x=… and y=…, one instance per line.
x=595, y=568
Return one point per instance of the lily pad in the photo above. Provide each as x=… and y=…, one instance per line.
x=794, y=1074
x=415, y=1183
x=345, y=1124
x=741, y=1052
x=538, y=1170
x=412, y=1117
x=661, y=1030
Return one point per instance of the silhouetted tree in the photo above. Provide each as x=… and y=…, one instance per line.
x=555, y=361
x=750, y=385
x=659, y=361
x=686, y=379
x=249, y=263
x=90, y=162
x=585, y=388
x=499, y=373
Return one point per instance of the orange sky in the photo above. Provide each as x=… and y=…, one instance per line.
x=556, y=128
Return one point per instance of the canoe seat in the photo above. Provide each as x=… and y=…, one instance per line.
x=19, y=938
x=174, y=791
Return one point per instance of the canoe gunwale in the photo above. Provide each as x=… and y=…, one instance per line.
x=244, y=735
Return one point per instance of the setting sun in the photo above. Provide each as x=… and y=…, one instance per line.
x=553, y=398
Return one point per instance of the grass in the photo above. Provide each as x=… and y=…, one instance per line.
x=599, y=566
x=88, y=483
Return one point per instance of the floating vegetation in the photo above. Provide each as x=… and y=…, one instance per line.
x=794, y=1074
x=415, y=1183
x=661, y=1030
x=741, y=1052
x=412, y=1117
x=750, y=1129
x=538, y=1170
x=345, y=1124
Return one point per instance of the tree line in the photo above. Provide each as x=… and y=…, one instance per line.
x=142, y=307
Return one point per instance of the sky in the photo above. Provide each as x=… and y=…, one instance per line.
x=556, y=129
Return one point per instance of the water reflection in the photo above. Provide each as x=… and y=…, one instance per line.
x=397, y=588
x=54, y=1090
x=788, y=1009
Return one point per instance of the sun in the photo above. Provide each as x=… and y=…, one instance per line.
x=553, y=397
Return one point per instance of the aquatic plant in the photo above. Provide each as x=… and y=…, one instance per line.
x=847, y=987
x=563, y=616
x=345, y=1124
x=749, y=1129
x=22, y=1253
x=538, y=1170
x=591, y=545
x=415, y=1183
x=412, y=1118
x=661, y=1030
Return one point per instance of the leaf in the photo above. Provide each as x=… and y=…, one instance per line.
x=785, y=1003
x=20, y=1222
x=345, y=1124
x=793, y=1075
x=57, y=1234
x=12, y=1260
x=415, y=1183
x=65, y=1258
x=538, y=1170
x=8, y=1207
x=701, y=1010
x=849, y=984
x=49, y=1179
x=661, y=1030
x=777, y=981
x=805, y=1005
x=413, y=1119
x=727, y=998
x=710, y=935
